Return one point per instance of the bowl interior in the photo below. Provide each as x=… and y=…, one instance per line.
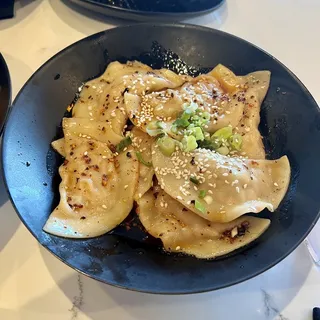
x=290, y=124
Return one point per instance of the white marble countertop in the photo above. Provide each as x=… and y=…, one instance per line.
x=36, y=286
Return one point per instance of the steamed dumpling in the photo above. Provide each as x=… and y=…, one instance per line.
x=97, y=189
x=181, y=230
x=102, y=99
x=239, y=108
x=83, y=127
x=142, y=143
x=257, y=84
x=233, y=186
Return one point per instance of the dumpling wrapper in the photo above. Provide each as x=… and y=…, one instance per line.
x=234, y=186
x=142, y=143
x=257, y=84
x=102, y=98
x=83, y=127
x=181, y=230
x=96, y=192
x=240, y=109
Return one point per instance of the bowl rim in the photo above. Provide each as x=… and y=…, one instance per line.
x=136, y=14
x=162, y=292
x=9, y=85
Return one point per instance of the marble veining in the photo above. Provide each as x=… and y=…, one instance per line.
x=271, y=310
x=77, y=300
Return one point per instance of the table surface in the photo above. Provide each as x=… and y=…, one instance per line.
x=34, y=285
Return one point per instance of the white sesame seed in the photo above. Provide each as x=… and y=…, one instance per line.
x=245, y=186
x=85, y=153
x=276, y=184
x=104, y=206
x=237, y=189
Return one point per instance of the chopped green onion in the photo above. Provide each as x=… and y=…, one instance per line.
x=180, y=122
x=223, y=133
x=167, y=145
x=199, y=206
x=140, y=159
x=190, y=108
x=216, y=142
x=206, y=144
x=160, y=124
x=206, y=116
x=194, y=180
x=174, y=129
x=223, y=150
x=153, y=129
x=185, y=115
x=235, y=141
x=189, y=143
x=196, y=132
x=202, y=194
x=123, y=144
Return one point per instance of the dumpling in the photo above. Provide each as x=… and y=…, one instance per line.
x=181, y=230
x=236, y=106
x=102, y=99
x=97, y=189
x=230, y=187
x=142, y=144
x=257, y=84
x=83, y=127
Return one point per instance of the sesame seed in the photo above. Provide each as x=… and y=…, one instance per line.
x=225, y=174
x=178, y=248
x=226, y=181
x=85, y=153
x=104, y=206
x=179, y=198
x=140, y=195
x=276, y=184
x=245, y=186
x=237, y=189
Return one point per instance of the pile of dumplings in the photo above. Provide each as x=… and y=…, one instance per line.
x=185, y=152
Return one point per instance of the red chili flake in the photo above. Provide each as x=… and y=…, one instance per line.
x=65, y=162
x=77, y=206
x=104, y=180
x=83, y=174
x=86, y=159
x=113, y=148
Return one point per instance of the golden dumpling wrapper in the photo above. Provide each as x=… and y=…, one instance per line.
x=181, y=230
x=233, y=186
x=96, y=191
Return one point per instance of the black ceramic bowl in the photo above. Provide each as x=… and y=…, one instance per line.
x=290, y=124
x=5, y=91
x=150, y=10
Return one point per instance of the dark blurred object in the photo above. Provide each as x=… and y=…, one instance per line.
x=144, y=10
x=316, y=313
x=5, y=91
x=6, y=9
